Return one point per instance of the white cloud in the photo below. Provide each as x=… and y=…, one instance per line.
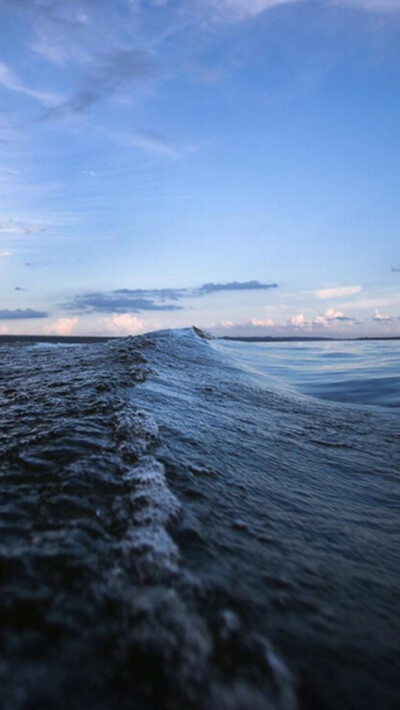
x=4, y=254
x=331, y=314
x=124, y=324
x=10, y=81
x=248, y=327
x=332, y=317
x=267, y=322
x=63, y=326
x=298, y=320
x=380, y=317
x=337, y=291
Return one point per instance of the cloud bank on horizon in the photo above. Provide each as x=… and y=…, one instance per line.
x=165, y=142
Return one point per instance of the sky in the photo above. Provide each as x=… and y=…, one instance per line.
x=233, y=164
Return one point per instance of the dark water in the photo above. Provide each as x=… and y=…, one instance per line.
x=177, y=533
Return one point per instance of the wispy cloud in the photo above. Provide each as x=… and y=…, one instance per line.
x=20, y=314
x=11, y=81
x=11, y=226
x=119, y=69
x=162, y=294
x=127, y=300
x=243, y=9
x=4, y=254
x=150, y=142
x=369, y=5
x=52, y=49
x=62, y=30
x=337, y=291
x=236, y=10
x=68, y=12
x=122, y=301
x=235, y=286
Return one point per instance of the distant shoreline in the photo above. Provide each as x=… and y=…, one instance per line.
x=77, y=339
x=300, y=339
x=88, y=339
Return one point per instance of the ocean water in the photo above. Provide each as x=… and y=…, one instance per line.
x=188, y=523
x=353, y=371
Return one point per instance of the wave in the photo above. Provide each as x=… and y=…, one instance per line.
x=98, y=603
x=288, y=507
x=174, y=535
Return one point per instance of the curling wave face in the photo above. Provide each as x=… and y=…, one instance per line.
x=175, y=536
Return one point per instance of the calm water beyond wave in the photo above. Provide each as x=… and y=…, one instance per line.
x=188, y=524
x=357, y=372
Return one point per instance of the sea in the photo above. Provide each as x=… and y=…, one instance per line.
x=196, y=524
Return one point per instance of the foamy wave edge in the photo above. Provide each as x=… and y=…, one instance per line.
x=173, y=628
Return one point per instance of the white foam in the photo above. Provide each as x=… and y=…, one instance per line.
x=153, y=548
x=136, y=430
x=131, y=423
x=154, y=503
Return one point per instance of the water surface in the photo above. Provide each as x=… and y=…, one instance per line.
x=358, y=372
x=183, y=530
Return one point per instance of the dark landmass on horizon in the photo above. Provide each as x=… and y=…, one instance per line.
x=56, y=338
x=299, y=338
x=87, y=339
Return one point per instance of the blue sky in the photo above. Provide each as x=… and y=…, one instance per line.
x=151, y=147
